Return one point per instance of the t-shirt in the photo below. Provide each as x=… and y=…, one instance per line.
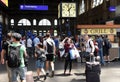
x=22, y=50
x=36, y=41
x=45, y=43
x=5, y=47
x=29, y=42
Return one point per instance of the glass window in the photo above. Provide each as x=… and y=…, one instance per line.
x=96, y=3
x=35, y=32
x=24, y=22
x=55, y=22
x=44, y=22
x=55, y=32
x=12, y=22
x=34, y=22
x=40, y=33
x=82, y=7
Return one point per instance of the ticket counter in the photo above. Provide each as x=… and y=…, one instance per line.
x=109, y=30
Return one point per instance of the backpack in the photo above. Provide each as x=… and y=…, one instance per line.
x=50, y=47
x=96, y=48
x=14, y=59
x=41, y=55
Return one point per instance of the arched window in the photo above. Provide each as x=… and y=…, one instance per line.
x=96, y=3
x=12, y=22
x=55, y=22
x=24, y=22
x=44, y=22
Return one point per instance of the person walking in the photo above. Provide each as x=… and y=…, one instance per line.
x=40, y=60
x=16, y=63
x=4, y=53
x=50, y=49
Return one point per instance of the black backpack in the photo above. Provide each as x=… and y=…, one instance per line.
x=50, y=47
x=14, y=59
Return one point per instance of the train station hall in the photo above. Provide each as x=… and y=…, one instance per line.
x=59, y=40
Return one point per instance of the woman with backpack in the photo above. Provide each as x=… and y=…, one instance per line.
x=40, y=60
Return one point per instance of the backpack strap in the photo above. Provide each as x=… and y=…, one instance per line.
x=91, y=46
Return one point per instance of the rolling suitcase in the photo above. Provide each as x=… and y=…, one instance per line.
x=29, y=76
x=92, y=71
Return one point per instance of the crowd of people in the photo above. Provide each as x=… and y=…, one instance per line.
x=45, y=50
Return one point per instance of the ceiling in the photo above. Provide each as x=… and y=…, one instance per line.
x=13, y=6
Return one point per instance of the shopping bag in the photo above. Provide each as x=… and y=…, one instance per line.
x=62, y=53
x=74, y=54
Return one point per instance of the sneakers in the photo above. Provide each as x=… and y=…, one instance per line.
x=52, y=74
x=47, y=74
x=45, y=77
x=37, y=78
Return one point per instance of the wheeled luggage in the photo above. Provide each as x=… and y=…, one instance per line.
x=92, y=71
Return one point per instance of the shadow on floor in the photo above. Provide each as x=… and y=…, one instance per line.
x=78, y=80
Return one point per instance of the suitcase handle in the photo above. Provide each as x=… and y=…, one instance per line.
x=92, y=58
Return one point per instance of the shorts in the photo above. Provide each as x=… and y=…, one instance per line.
x=18, y=71
x=50, y=57
x=39, y=64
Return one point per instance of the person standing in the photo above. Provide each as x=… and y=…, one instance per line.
x=106, y=47
x=50, y=49
x=68, y=44
x=29, y=47
x=99, y=40
x=36, y=40
x=89, y=45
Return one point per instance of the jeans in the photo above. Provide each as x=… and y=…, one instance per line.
x=100, y=53
x=18, y=71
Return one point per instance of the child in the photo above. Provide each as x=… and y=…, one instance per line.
x=40, y=56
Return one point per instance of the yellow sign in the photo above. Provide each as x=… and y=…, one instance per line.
x=98, y=31
x=5, y=2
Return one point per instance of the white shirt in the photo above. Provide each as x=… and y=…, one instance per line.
x=89, y=48
x=29, y=42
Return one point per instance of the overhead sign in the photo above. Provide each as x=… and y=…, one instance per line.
x=98, y=31
x=112, y=8
x=5, y=2
x=34, y=7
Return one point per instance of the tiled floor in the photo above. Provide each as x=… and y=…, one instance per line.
x=110, y=72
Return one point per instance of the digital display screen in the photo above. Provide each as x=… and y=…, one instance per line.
x=5, y=2
x=34, y=7
x=112, y=8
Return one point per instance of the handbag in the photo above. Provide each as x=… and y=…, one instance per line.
x=74, y=54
